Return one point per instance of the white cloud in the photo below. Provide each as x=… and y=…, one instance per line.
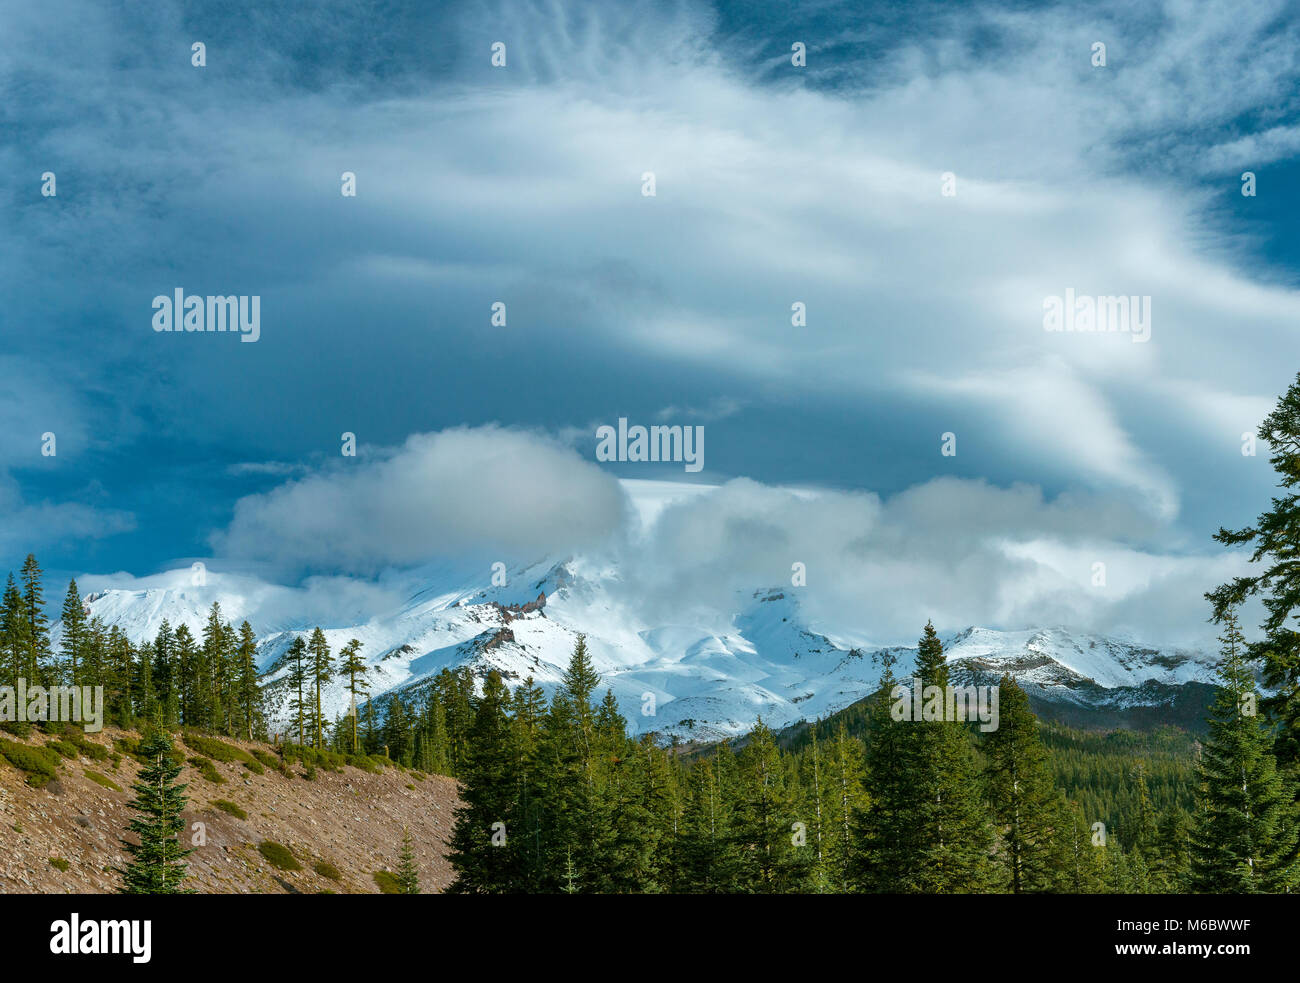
x=462, y=490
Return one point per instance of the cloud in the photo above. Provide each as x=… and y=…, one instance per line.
x=955, y=551
x=441, y=494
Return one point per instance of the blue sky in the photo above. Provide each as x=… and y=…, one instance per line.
x=775, y=184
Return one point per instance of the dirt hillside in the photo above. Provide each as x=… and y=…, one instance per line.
x=352, y=820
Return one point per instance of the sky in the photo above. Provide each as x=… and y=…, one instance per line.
x=775, y=184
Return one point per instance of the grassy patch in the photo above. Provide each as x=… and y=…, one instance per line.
x=104, y=780
x=58, y=863
x=64, y=748
x=226, y=806
x=208, y=770
x=40, y=764
x=131, y=748
x=327, y=869
x=88, y=748
x=387, y=882
x=212, y=748
x=267, y=759
x=278, y=855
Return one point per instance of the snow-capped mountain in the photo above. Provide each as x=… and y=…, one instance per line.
x=694, y=676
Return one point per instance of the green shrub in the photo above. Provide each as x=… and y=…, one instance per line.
x=388, y=883
x=208, y=770
x=104, y=780
x=92, y=750
x=310, y=773
x=279, y=856
x=131, y=748
x=364, y=763
x=225, y=805
x=310, y=757
x=266, y=758
x=40, y=764
x=58, y=863
x=64, y=748
x=327, y=869
x=19, y=728
x=221, y=751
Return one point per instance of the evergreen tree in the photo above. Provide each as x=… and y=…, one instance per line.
x=164, y=679
x=296, y=678
x=1275, y=537
x=1020, y=791
x=482, y=842
x=74, y=632
x=707, y=855
x=353, y=668
x=13, y=635
x=771, y=861
x=846, y=777
x=185, y=678
x=247, y=693
x=321, y=670
x=408, y=873
x=36, y=634
x=211, y=671
x=1246, y=834
x=157, y=865
x=925, y=829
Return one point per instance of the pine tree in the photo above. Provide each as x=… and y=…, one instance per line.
x=186, y=678
x=1246, y=833
x=321, y=670
x=210, y=669
x=408, y=873
x=247, y=693
x=157, y=865
x=707, y=856
x=847, y=796
x=925, y=829
x=74, y=632
x=1275, y=537
x=353, y=668
x=13, y=634
x=527, y=720
x=1143, y=834
x=121, y=667
x=36, y=634
x=163, y=675
x=770, y=860
x=1020, y=791
x=482, y=842
x=296, y=678
x=1172, y=863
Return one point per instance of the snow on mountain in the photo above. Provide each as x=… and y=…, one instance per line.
x=699, y=677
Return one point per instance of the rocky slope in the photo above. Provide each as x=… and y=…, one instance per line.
x=351, y=820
